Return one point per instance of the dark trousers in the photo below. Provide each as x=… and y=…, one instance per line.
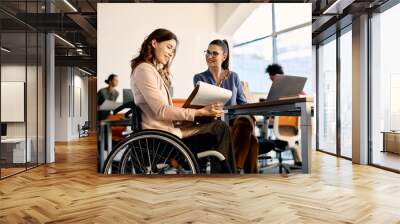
x=245, y=144
x=211, y=136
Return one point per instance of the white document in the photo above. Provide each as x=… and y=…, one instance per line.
x=109, y=105
x=208, y=94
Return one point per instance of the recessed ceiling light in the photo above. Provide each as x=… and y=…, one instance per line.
x=338, y=6
x=84, y=71
x=70, y=5
x=64, y=40
x=5, y=50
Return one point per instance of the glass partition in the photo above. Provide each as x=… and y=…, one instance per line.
x=327, y=96
x=23, y=87
x=14, y=153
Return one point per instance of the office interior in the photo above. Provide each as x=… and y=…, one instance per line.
x=251, y=49
x=49, y=80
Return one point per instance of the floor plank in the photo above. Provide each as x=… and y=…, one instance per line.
x=70, y=191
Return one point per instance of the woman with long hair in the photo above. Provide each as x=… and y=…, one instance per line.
x=218, y=73
x=150, y=83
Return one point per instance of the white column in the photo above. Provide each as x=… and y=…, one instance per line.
x=360, y=90
x=50, y=99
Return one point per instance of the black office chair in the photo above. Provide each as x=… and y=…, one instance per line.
x=278, y=147
x=83, y=130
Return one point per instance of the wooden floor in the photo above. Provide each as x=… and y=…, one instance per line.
x=70, y=191
x=386, y=159
x=10, y=171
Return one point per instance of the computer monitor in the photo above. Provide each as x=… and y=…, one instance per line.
x=127, y=96
x=3, y=129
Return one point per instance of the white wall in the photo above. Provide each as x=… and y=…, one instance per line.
x=61, y=103
x=121, y=29
x=80, y=114
x=67, y=114
x=15, y=73
x=230, y=16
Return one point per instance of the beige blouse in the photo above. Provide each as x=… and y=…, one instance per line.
x=153, y=98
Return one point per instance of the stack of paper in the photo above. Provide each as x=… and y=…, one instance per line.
x=205, y=94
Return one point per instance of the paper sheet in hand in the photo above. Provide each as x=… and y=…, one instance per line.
x=109, y=105
x=205, y=94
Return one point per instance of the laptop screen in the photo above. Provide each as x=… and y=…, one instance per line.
x=286, y=86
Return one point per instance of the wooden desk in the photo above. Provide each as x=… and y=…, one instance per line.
x=289, y=107
x=13, y=150
x=391, y=141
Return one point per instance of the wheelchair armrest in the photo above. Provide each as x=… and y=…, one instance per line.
x=211, y=153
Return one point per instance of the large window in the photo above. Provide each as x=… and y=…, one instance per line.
x=294, y=54
x=254, y=47
x=335, y=73
x=385, y=87
x=327, y=96
x=346, y=93
x=250, y=61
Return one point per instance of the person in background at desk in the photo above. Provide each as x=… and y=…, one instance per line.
x=218, y=73
x=150, y=82
x=107, y=93
x=274, y=71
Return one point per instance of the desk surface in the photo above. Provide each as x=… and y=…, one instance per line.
x=272, y=103
x=391, y=132
x=13, y=140
x=286, y=107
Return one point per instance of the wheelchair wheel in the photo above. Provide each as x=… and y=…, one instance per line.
x=151, y=152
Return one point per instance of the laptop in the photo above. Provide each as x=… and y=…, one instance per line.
x=286, y=86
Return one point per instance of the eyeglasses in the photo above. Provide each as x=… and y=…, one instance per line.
x=213, y=54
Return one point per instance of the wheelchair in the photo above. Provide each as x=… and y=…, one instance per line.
x=148, y=152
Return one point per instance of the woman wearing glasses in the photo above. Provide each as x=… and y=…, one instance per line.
x=150, y=82
x=218, y=73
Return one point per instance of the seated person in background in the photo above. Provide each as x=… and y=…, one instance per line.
x=150, y=82
x=274, y=71
x=107, y=93
x=218, y=73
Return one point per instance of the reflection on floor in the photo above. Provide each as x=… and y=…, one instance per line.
x=10, y=169
x=386, y=159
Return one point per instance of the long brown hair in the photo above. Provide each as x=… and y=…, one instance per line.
x=147, y=54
